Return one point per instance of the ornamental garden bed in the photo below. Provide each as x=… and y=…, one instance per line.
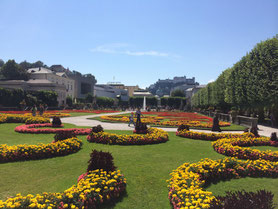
x=153, y=136
x=146, y=168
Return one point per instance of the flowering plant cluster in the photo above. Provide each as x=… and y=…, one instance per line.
x=33, y=128
x=163, y=120
x=238, y=147
x=153, y=136
x=210, y=136
x=50, y=114
x=15, y=118
x=186, y=186
x=93, y=189
x=243, y=199
x=40, y=151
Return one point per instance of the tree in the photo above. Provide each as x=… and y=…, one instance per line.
x=89, y=98
x=1, y=63
x=11, y=70
x=177, y=93
x=25, y=65
x=69, y=101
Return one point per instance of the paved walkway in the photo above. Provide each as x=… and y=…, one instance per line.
x=84, y=121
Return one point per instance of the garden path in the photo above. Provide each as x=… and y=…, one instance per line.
x=84, y=121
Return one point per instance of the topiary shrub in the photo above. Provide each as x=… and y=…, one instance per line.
x=244, y=200
x=56, y=121
x=101, y=160
x=62, y=135
x=254, y=130
x=141, y=128
x=273, y=137
x=96, y=129
x=183, y=127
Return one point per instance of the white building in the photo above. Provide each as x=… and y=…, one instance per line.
x=59, y=78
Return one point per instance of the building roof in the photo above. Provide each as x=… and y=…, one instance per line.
x=39, y=70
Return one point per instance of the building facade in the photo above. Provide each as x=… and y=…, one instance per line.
x=59, y=78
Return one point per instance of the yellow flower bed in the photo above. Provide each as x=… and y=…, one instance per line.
x=153, y=136
x=157, y=121
x=17, y=118
x=210, y=136
x=237, y=147
x=40, y=151
x=51, y=114
x=186, y=186
x=96, y=187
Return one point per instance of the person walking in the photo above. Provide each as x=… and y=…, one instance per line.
x=131, y=119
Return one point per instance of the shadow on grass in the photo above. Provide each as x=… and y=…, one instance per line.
x=111, y=204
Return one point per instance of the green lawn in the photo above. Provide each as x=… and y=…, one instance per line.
x=74, y=114
x=146, y=168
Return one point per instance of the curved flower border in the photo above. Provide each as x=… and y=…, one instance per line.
x=186, y=186
x=93, y=189
x=238, y=147
x=33, y=128
x=16, y=118
x=210, y=136
x=154, y=136
x=40, y=151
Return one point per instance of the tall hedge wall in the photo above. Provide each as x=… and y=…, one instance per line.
x=251, y=84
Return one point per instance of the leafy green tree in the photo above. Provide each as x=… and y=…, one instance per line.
x=1, y=63
x=69, y=101
x=177, y=93
x=89, y=98
x=12, y=71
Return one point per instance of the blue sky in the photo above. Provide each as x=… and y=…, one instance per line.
x=136, y=41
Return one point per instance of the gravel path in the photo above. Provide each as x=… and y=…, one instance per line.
x=84, y=121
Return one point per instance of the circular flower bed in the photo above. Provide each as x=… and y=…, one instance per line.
x=16, y=118
x=34, y=129
x=210, y=136
x=186, y=186
x=154, y=136
x=40, y=151
x=92, y=190
x=237, y=147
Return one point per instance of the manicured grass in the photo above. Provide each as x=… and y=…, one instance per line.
x=146, y=168
x=74, y=114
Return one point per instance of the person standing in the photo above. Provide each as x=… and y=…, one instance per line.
x=131, y=119
x=41, y=109
x=272, y=120
x=34, y=110
x=138, y=116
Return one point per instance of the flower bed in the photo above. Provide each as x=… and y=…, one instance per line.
x=33, y=128
x=93, y=189
x=16, y=118
x=153, y=136
x=40, y=151
x=198, y=122
x=186, y=186
x=237, y=147
x=210, y=136
x=50, y=114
